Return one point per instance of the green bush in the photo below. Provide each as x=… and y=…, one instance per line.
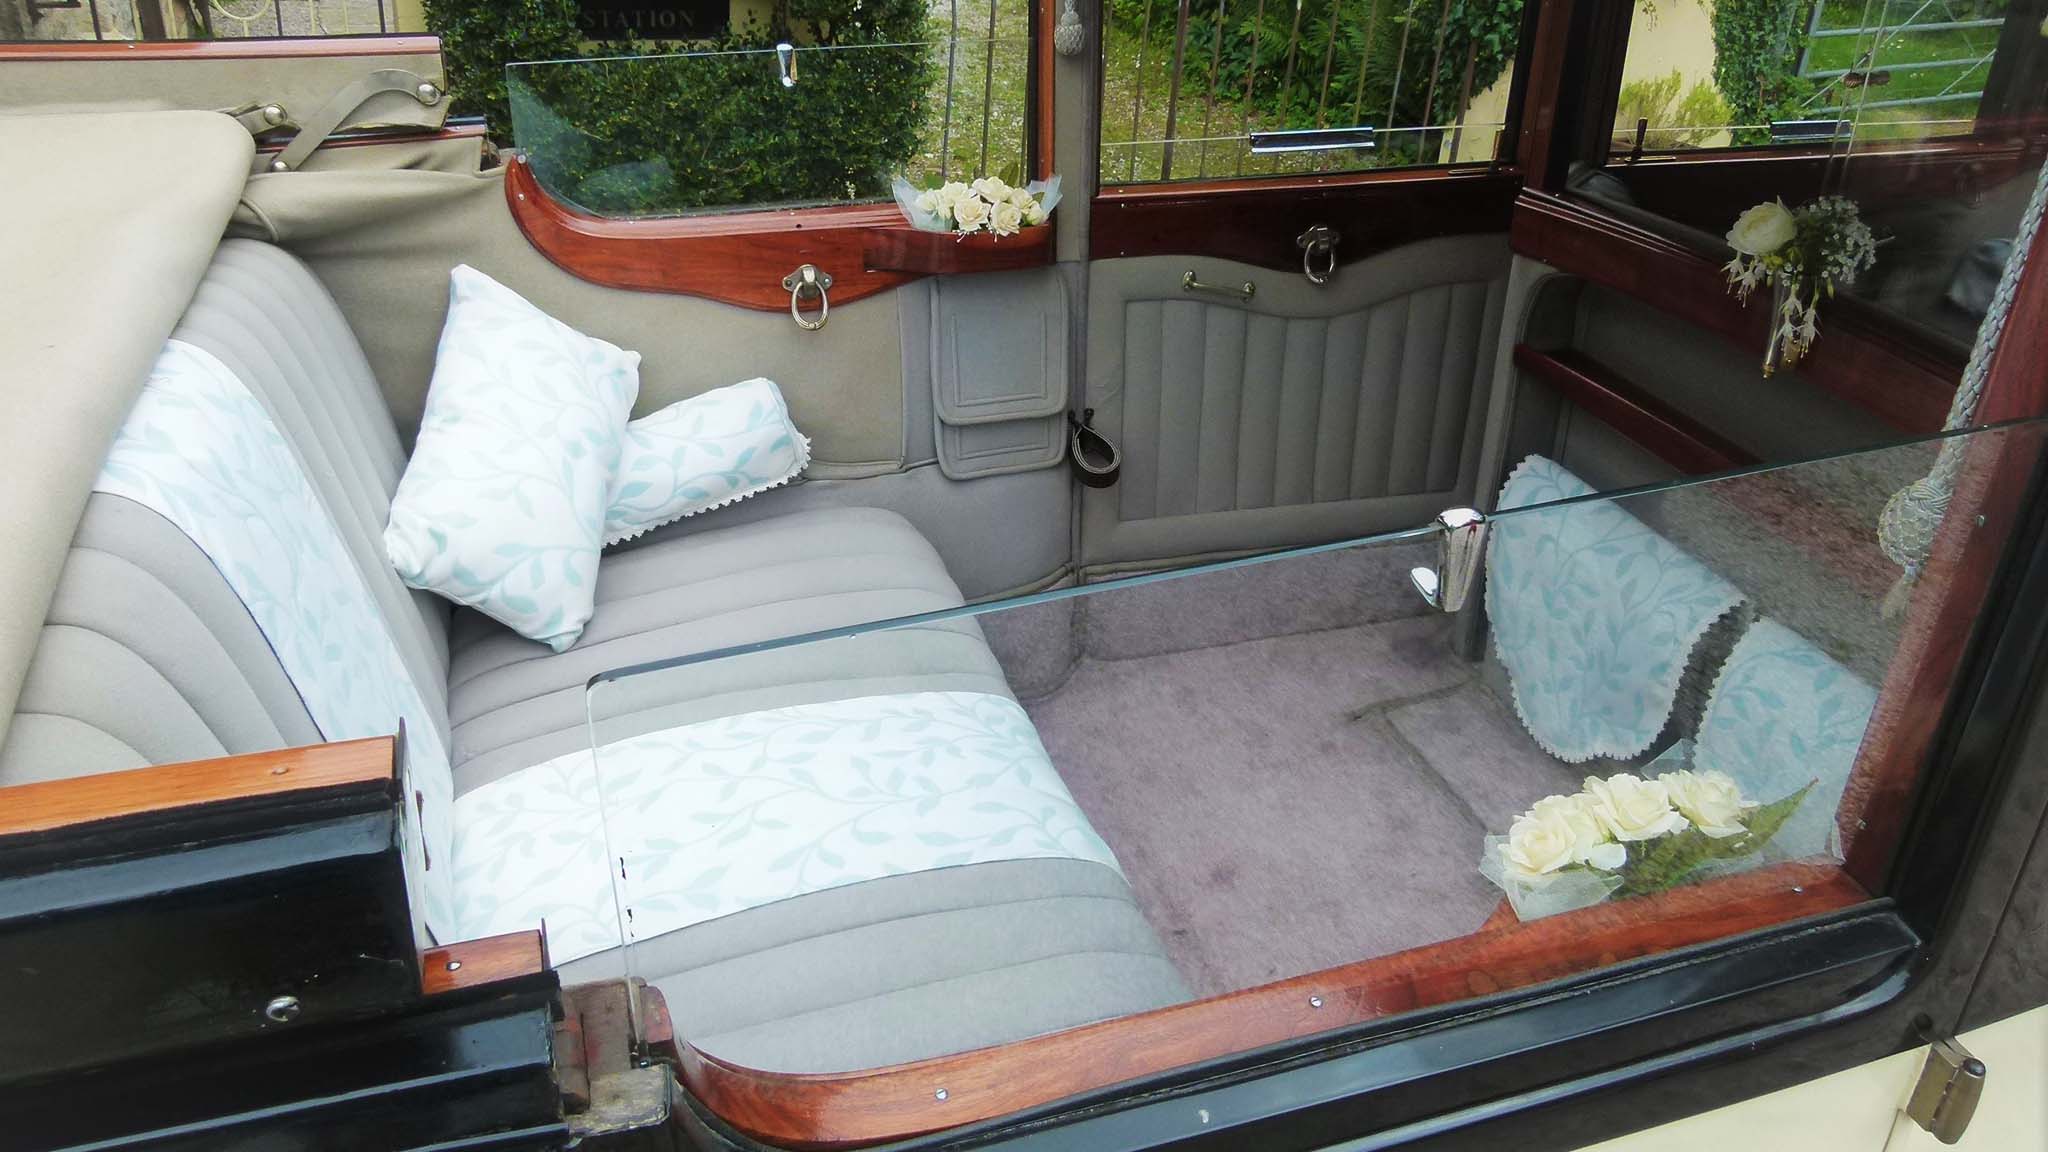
x=1756, y=62
x=1676, y=121
x=1483, y=31
x=659, y=133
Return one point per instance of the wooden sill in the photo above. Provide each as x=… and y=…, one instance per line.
x=1663, y=431
x=741, y=257
x=475, y=963
x=1856, y=358
x=907, y=249
x=52, y=804
x=844, y=1110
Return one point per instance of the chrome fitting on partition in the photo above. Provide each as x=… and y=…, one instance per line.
x=1461, y=541
x=1319, y=241
x=1189, y=282
x=808, y=279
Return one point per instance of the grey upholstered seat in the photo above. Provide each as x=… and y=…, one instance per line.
x=515, y=703
x=148, y=656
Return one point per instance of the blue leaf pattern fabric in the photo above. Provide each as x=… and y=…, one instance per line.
x=1593, y=615
x=1783, y=713
x=712, y=818
x=702, y=453
x=199, y=449
x=502, y=504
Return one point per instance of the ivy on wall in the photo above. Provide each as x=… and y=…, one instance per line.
x=1756, y=62
x=682, y=127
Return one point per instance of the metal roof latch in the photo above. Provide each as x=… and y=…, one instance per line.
x=1461, y=541
x=1946, y=1097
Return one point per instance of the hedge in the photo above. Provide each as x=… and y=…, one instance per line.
x=1483, y=31
x=651, y=133
x=1756, y=61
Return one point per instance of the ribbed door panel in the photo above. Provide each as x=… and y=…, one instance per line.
x=1227, y=410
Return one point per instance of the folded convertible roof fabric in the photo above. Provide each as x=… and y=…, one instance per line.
x=1593, y=615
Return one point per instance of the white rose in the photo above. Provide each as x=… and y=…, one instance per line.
x=1006, y=219
x=1590, y=842
x=1763, y=229
x=1711, y=800
x=1538, y=843
x=992, y=189
x=1021, y=198
x=1631, y=808
x=1034, y=214
x=970, y=213
x=928, y=201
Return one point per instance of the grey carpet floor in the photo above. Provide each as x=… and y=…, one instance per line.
x=1284, y=805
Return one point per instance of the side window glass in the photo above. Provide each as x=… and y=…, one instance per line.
x=1234, y=88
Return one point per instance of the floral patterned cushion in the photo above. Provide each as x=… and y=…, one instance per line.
x=502, y=504
x=703, y=453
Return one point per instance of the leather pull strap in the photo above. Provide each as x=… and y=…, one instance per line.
x=1094, y=457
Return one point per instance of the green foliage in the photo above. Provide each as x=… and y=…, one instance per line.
x=1676, y=121
x=1371, y=70
x=1756, y=61
x=663, y=133
x=1669, y=861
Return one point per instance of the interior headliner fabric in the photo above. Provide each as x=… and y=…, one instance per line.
x=131, y=252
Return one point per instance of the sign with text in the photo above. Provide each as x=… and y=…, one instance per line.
x=652, y=19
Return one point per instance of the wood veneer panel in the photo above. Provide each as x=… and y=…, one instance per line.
x=1855, y=359
x=741, y=257
x=45, y=805
x=1256, y=221
x=851, y=1109
x=474, y=963
x=734, y=257
x=1670, y=435
x=906, y=249
x=221, y=49
x=1953, y=586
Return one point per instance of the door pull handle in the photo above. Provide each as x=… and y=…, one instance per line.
x=1189, y=283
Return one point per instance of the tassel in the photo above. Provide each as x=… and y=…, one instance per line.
x=1901, y=593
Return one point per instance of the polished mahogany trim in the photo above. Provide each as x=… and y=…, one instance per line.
x=906, y=249
x=840, y=1110
x=1256, y=221
x=741, y=257
x=473, y=963
x=1542, y=90
x=73, y=50
x=1667, y=433
x=1856, y=360
x=1953, y=585
x=50, y=804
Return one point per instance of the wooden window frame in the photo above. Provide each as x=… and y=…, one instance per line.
x=867, y=248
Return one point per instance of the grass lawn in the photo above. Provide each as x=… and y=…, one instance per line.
x=1949, y=64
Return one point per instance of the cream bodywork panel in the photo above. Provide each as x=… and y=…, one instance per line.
x=1860, y=1110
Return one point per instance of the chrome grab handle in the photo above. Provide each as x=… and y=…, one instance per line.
x=1461, y=541
x=1188, y=283
x=1319, y=240
x=808, y=278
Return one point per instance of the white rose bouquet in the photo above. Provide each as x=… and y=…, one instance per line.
x=1627, y=835
x=1800, y=254
x=988, y=204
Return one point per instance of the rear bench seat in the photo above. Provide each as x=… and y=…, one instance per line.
x=147, y=656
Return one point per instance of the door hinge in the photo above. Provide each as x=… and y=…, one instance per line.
x=1946, y=1096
